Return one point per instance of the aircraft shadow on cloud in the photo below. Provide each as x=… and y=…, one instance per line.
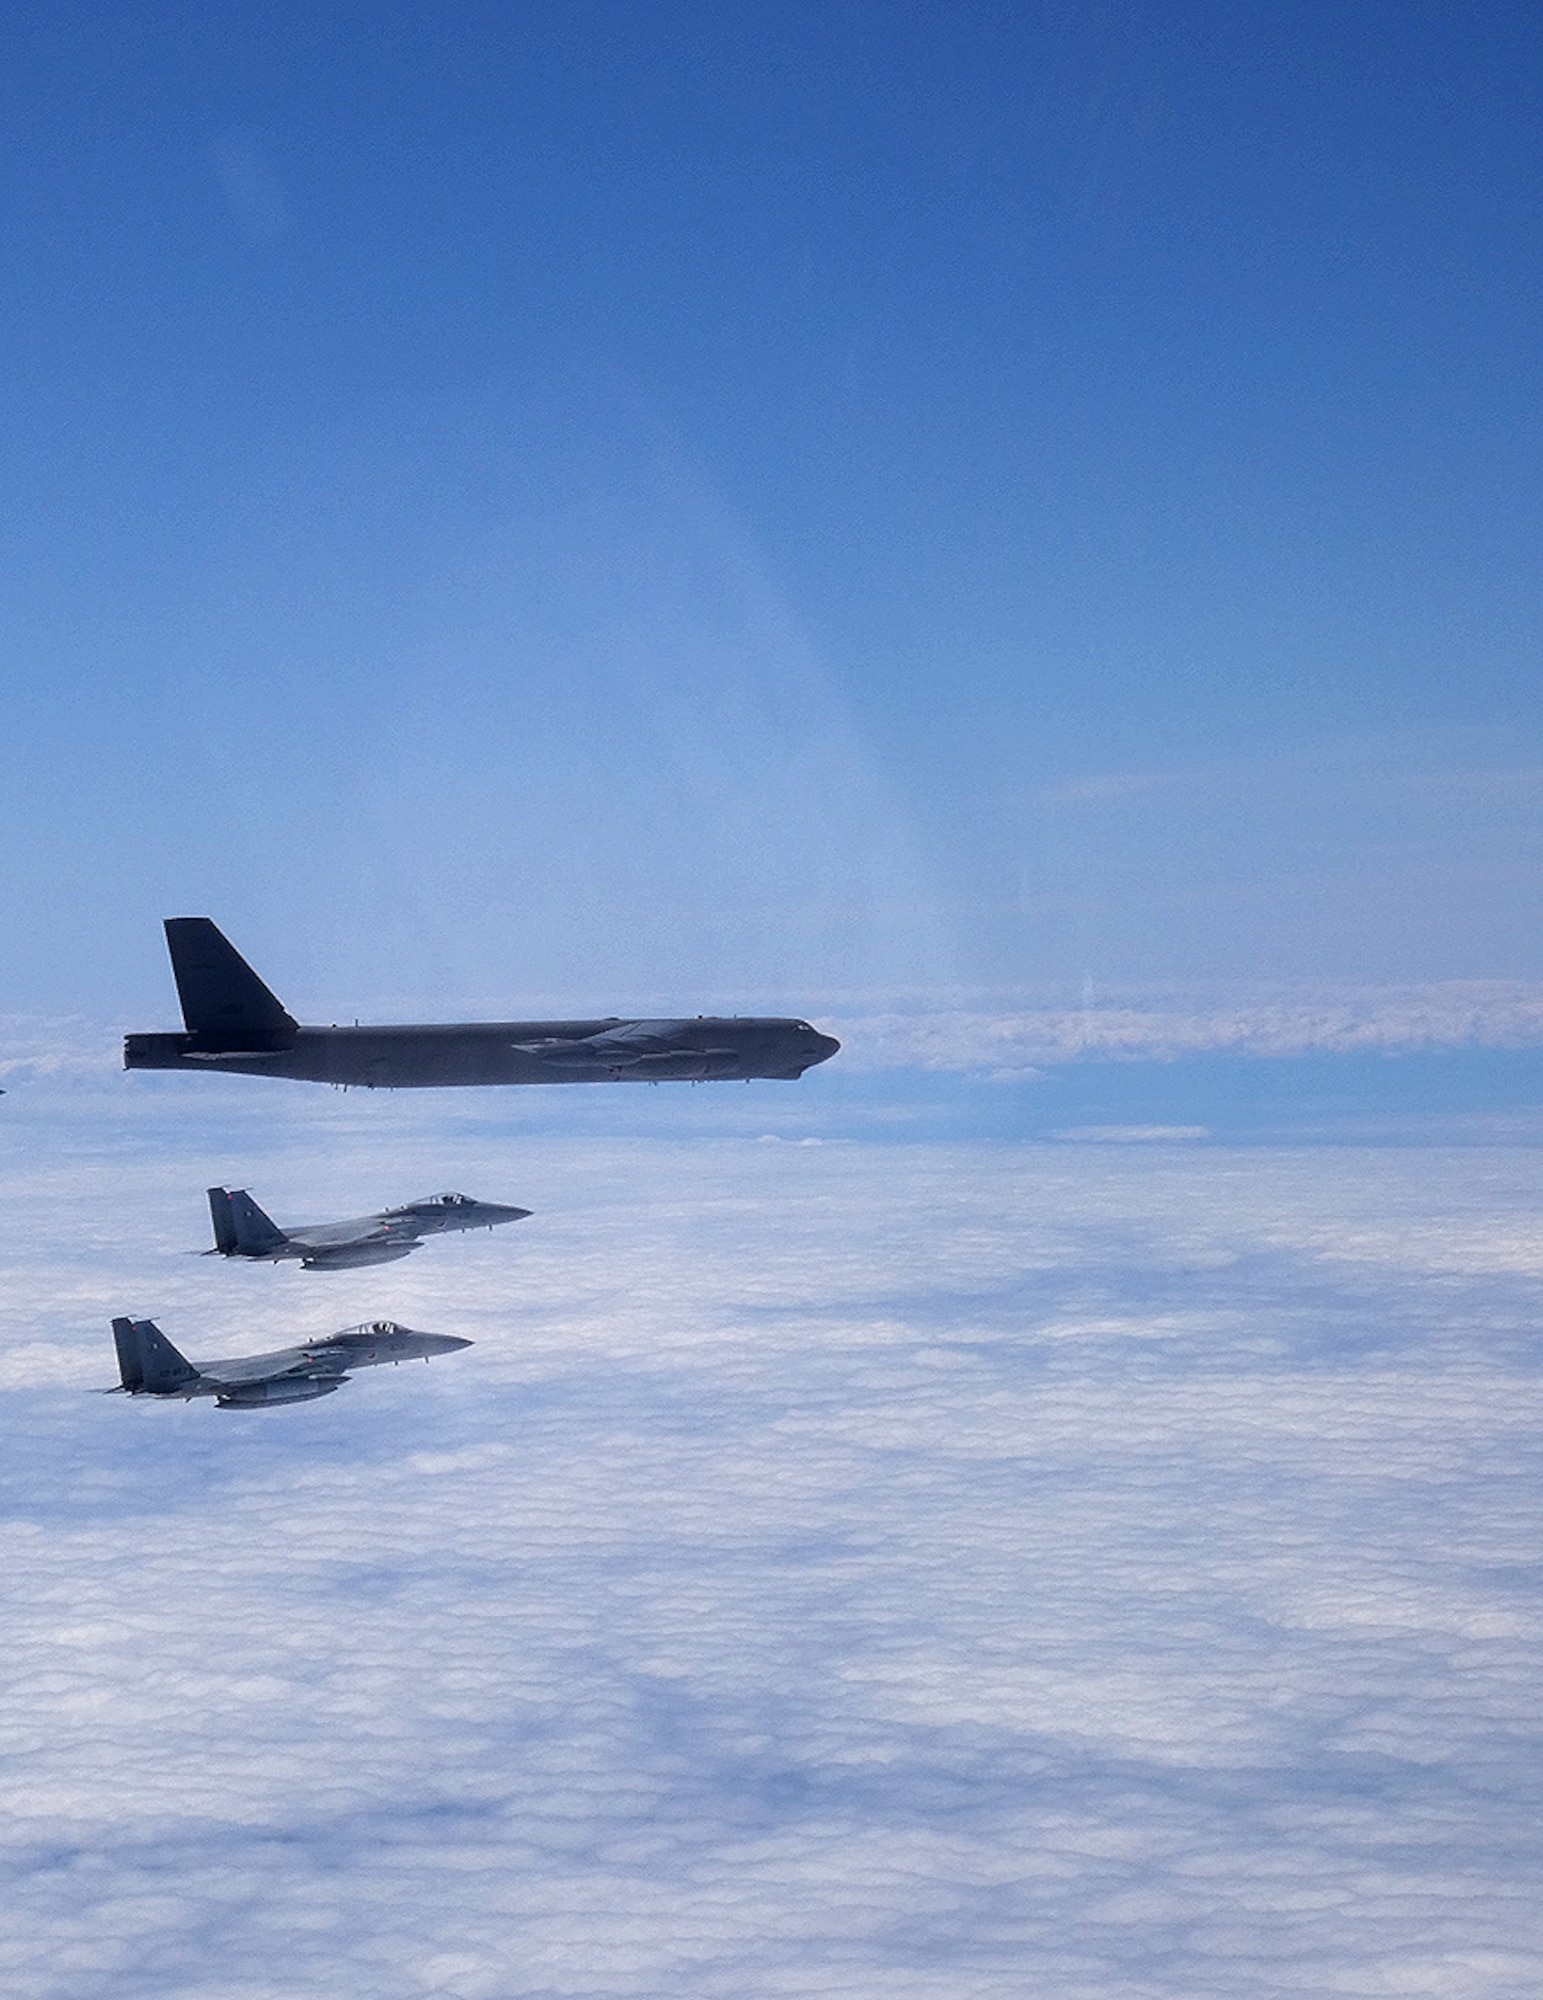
x=148, y=1364
x=234, y=1023
x=241, y=1229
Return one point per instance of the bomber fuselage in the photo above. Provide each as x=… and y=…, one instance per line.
x=493, y=1052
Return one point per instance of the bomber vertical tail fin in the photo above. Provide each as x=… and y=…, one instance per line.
x=257, y=1235
x=224, y=1003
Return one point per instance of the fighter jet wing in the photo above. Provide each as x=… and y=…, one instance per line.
x=353, y=1235
x=288, y=1364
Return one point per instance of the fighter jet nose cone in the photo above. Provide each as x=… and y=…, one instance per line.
x=428, y=1344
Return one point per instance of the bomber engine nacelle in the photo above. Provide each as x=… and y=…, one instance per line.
x=261, y=1395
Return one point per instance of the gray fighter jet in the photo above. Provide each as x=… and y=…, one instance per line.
x=234, y=1023
x=241, y=1229
x=148, y=1364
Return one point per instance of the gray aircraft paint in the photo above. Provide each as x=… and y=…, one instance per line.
x=149, y=1365
x=234, y=1023
x=242, y=1229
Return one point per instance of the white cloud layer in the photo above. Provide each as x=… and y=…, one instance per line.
x=908, y=1571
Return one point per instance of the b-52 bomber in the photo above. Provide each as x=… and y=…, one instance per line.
x=148, y=1364
x=241, y=1229
x=234, y=1023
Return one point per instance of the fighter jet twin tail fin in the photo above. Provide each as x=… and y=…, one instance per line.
x=241, y=1229
x=147, y=1361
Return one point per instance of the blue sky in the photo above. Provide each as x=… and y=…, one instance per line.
x=596, y=500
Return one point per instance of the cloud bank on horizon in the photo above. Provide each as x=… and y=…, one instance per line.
x=932, y=1571
x=1004, y=1034
x=1441, y=1017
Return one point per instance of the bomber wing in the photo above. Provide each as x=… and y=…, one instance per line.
x=646, y=1049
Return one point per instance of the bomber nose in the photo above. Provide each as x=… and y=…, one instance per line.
x=825, y=1046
